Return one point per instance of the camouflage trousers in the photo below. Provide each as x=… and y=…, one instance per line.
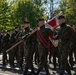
x=64, y=53
x=43, y=53
x=28, y=59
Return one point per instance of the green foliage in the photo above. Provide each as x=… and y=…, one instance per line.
x=15, y=12
x=28, y=10
x=4, y=14
x=69, y=9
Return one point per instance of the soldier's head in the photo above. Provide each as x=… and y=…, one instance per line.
x=2, y=32
x=17, y=28
x=41, y=22
x=26, y=24
x=61, y=19
x=8, y=31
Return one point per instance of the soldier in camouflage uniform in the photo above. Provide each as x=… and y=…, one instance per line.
x=6, y=40
x=21, y=55
x=64, y=36
x=54, y=50
x=74, y=46
x=1, y=37
x=73, y=50
x=29, y=46
x=42, y=49
x=21, y=48
x=54, y=53
x=14, y=53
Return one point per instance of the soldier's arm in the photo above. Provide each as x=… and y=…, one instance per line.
x=49, y=31
x=71, y=32
x=12, y=38
x=67, y=35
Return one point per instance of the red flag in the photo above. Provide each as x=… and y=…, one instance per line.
x=53, y=23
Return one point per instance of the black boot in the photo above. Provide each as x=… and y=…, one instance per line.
x=26, y=71
x=50, y=62
x=54, y=67
x=38, y=71
x=48, y=73
x=33, y=72
x=61, y=73
x=69, y=73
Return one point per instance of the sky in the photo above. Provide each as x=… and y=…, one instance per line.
x=48, y=8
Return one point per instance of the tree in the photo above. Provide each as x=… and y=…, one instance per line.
x=63, y=5
x=71, y=12
x=16, y=11
x=26, y=9
x=69, y=9
x=4, y=14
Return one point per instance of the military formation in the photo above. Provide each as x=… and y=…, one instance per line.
x=38, y=48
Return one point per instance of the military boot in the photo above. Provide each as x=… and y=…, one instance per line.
x=61, y=73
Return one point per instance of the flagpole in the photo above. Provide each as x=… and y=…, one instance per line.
x=61, y=13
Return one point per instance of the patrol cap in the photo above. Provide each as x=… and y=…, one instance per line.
x=61, y=17
x=26, y=22
x=16, y=27
x=8, y=30
x=40, y=19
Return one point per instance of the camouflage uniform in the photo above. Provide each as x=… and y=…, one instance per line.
x=36, y=57
x=13, y=53
x=21, y=55
x=21, y=50
x=6, y=40
x=54, y=53
x=42, y=49
x=74, y=45
x=65, y=36
x=1, y=37
x=73, y=48
x=29, y=51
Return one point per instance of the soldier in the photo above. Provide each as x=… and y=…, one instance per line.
x=42, y=48
x=54, y=48
x=14, y=53
x=21, y=48
x=1, y=37
x=54, y=53
x=64, y=36
x=74, y=45
x=73, y=50
x=6, y=40
x=28, y=49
